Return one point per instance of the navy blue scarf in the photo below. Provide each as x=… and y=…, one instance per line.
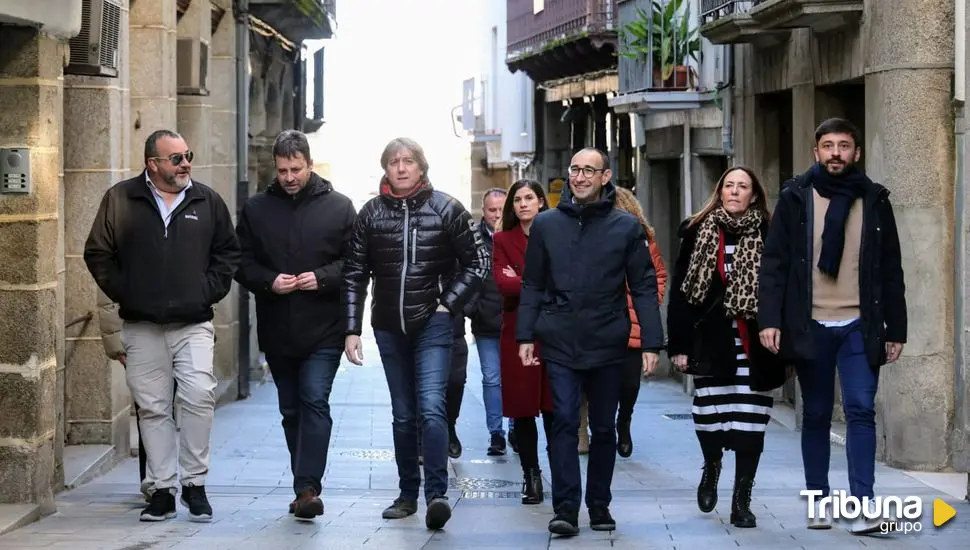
x=841, y=190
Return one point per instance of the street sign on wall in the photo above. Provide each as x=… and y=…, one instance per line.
x=468, y=105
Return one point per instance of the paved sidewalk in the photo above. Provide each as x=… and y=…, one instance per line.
x=653, y=490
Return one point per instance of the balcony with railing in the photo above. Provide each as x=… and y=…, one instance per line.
x=664, y=63
x=765, y=22
x=551, y=39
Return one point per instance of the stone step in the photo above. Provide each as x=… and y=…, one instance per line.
x=14, y=516
x=82, y=463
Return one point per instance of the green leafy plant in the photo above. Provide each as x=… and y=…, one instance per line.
x=664, y=34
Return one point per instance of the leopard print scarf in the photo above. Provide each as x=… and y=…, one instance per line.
x=741, y=295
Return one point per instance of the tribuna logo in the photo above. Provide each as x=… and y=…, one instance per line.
x=902, y=514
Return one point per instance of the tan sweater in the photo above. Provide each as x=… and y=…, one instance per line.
x=837, y=299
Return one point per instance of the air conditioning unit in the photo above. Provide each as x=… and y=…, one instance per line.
x=192, y=60
x=94, y=51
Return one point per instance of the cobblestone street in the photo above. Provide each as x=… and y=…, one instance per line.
x=654, y=506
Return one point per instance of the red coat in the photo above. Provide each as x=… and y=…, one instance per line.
x=524, y=389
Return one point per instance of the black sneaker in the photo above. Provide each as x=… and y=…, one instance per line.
x=497, y=446
x=600, y=519
x=193, y=498
x=438, y=514
x=566, y=523
x=400, y=509
x=161, y=506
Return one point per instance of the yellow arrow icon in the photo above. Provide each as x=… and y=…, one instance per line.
x=942, y=512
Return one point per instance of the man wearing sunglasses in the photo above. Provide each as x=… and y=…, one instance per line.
x=163, y=247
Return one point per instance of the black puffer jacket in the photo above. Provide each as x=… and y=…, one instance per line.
x=410, y=248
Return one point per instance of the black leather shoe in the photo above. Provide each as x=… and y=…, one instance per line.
x=624, y=441
x=707, y=490
x=454, y=445
x=600, y=519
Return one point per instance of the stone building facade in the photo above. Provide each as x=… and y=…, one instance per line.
x=888, y=67
x=170, y=64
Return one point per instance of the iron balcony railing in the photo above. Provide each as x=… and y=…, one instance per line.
x=712, y=10
x=530, y=32
x=660, y=46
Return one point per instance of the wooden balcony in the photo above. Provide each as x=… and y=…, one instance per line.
x=555, y=39
x=820, y=15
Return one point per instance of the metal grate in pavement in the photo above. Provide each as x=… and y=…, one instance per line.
x=488, y=461
x=484, y=495
x=678, y=416
x=369, y=454
x=478, y=483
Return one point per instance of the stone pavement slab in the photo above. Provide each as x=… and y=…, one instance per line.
x=250, y=486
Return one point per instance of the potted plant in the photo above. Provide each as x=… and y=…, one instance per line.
x=666, y=36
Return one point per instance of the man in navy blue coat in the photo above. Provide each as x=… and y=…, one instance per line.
x=580, y=258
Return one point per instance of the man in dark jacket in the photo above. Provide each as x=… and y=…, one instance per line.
x=580, y=258
x=485, y=313
x=409, y=240
x=832, y=297
x=293, y=237
x=162, y=246
x=486, y=317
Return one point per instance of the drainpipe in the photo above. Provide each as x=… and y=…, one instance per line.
x=727, y=105
x=688, y=184
x=959, y=233
x=241, y=12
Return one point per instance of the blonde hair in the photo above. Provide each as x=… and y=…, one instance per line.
x=627, y=201
x=409, y=145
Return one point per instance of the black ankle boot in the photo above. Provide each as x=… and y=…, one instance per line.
x=707, y=490
x=532, y=486
x=624, y=441
x=741, y=515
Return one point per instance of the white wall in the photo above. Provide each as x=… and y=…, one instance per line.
x=508, y=97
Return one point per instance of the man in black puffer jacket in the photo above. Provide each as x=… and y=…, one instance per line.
x=420, y=247
x=293, y=237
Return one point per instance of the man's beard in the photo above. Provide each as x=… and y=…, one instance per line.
x=178, y=181
x=845, y=166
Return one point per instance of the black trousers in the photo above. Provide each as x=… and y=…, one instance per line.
x=630, y=384
x=456, y=380
x=527, y=439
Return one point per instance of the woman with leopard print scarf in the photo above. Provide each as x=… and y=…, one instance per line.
x=713, y=334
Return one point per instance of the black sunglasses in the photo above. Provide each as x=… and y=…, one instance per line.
x=177, y=158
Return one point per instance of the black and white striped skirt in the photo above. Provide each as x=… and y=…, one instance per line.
x=727, y=408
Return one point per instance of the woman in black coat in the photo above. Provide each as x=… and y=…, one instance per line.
x=713, y=334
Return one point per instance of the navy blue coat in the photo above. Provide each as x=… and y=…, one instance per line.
x=578, y=263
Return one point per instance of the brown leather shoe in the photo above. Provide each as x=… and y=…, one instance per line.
x=293, y=506
x=308, y=505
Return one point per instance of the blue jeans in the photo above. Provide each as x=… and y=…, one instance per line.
x=842, y=348
x=602, y=388
x=488, y=355
x=416, y=367
x=303, y=386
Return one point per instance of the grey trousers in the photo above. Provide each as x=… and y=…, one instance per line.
x=158, y=355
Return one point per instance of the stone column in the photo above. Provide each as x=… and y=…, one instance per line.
x=31, y=296
x=193, y=106
x=95, y=157
x=910, y=145
x=221, y=135
x=153, y=77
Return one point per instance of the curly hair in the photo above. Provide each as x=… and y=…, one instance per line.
x=627, y=201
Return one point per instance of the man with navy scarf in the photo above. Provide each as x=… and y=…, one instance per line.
x=832, y=296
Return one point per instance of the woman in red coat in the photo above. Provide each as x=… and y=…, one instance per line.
x=525, y=390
